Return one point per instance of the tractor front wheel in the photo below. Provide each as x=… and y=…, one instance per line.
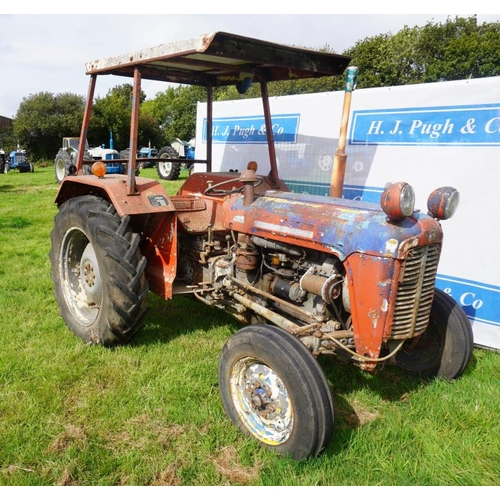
x=445, y=348
x=273, y=389
x=97, y=271
x=62, y=165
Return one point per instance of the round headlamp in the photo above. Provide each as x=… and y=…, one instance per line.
x=398, y=201
x=443, y=202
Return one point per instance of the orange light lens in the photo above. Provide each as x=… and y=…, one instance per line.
x=252, y=165
x=99, y=169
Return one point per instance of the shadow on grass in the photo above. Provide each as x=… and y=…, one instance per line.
x=169, y=319
x=391, y=383
x=14, y=222
x=6, y=187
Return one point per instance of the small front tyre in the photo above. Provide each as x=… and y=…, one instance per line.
x=445, y=348
x=274, y=390
x=97, y=271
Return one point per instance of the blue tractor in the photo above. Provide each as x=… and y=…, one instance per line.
x=149, y=152
x=168, y=160
x=167, y=169
x=144, y=152
x=65, y=161
x=185, y=151
x=18, y=160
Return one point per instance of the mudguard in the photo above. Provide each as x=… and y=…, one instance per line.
x=149, y=197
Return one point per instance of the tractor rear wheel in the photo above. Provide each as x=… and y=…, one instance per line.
x=445, y=348
x=62, y=165
x=167, y=170
x=273, y=389
x=97, y=271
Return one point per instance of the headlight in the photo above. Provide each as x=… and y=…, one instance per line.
x=443, y=202
x=398, y=201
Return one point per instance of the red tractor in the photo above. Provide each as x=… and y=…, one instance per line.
x=307, y=275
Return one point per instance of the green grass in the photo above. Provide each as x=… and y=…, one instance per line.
x=149, y=413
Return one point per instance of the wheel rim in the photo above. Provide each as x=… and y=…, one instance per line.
x=165, y=167
x=81, y=278
x=261, y=399
x=60, y=169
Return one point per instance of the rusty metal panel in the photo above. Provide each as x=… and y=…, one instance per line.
x=341, y=227
x=149, y=55
x=222, y=59
x=160, y=250
x=199, y=212
x=372, y=283
x=200, y=220
x=150, y=197
x=197, y=183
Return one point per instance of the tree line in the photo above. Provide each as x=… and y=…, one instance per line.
x=456, y=49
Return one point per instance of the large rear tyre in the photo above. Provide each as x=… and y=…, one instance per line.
x=62, y=165
x=445, y=348
x=97, y=271
x=167, y=170
x=274, y=390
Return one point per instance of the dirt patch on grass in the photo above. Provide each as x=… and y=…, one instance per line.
x=228, y=466
x=71, y=435
x=168, y=477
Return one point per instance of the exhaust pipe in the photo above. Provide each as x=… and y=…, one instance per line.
x=340, y=158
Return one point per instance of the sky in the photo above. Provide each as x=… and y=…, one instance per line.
x=45, y=50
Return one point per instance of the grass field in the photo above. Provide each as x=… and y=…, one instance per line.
x=149, y=413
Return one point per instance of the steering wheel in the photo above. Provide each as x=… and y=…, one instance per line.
x=215, y=191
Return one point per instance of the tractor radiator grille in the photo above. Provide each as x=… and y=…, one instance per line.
x=415, y=292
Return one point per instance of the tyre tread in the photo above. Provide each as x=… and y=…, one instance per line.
x=302, y=367
x=125, y=267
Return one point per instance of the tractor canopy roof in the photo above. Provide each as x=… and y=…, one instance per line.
x=220, y=59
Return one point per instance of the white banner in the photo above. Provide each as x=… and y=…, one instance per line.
x=429, y=135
